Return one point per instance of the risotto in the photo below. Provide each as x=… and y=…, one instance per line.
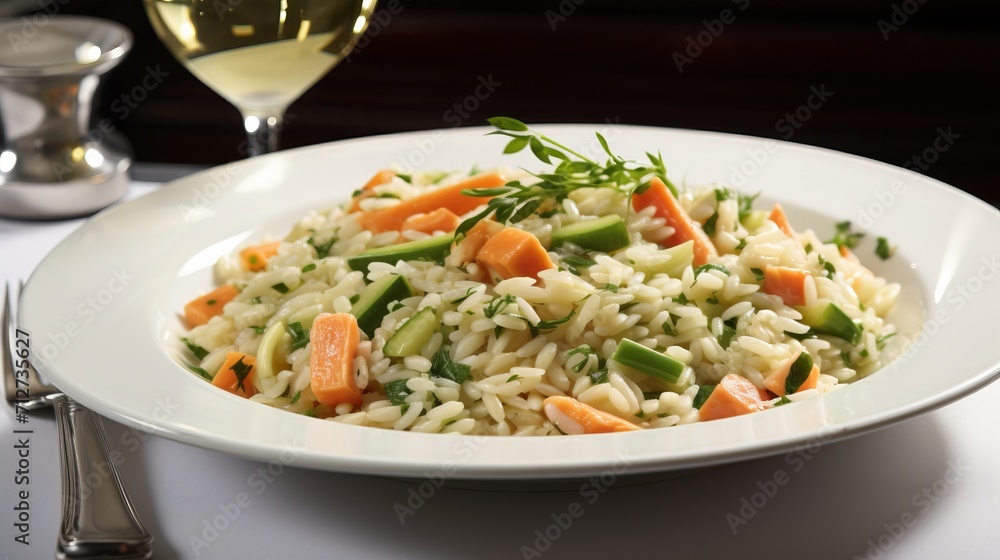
x=591, y=297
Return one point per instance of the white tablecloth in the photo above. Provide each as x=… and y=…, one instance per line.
x=927, y=488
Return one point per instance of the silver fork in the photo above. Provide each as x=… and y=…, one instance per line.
x=98, y=521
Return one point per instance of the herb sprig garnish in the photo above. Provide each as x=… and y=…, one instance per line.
x=515, y=201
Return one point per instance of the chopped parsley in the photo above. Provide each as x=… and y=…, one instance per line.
x=711, y=266
x=498, y=304
x=827, y=265
x=845, y=236
x=200, y=371
x=574, y=263
x=599, y=376
x=296, y=397
x=758, y=274
x=280, y=287
x=254, y=300
x=710, y=223
x=783, y=400
x=742, y=244
x=713, y=299
x=198, y=351
x=704, y=392
x=728, y=332
x=241, y=370
x=883, y=249
x=880, y=341
x=442, y=366
x=212, y=302
x=514, y=377
x=397, y=391
x=300, y=336
x=322, y=249
x=798, y=373
x=465, y=297
x=259, y=329
x=309, y=267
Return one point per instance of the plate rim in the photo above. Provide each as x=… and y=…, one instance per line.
x=322, y=461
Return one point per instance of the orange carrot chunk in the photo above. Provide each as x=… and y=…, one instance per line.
x=780, y=219
x=334, y=338
x=199, y=310
x=450, y=197
x=571, y=416
x=787, y=283
x=379, y=178
x=514, y=252
x=255, y=258
x=441, y=219
x=237, y=374
x=733, y=396
x=465, y=251
x=667, y=207
x=776, y=379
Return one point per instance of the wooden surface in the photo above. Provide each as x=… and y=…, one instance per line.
x=592, y=60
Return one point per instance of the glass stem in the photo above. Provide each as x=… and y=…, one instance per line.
x=262, y=131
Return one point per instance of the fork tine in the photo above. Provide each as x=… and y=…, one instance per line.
x=8, y=361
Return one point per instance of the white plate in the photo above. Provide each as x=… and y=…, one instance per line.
x=102, y=307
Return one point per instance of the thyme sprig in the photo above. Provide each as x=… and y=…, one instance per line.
x=516, y=201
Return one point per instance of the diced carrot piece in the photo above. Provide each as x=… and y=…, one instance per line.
x=379, y=178
x=334, y=338
x=787, y=283
x=450, y=197
x=574, y=417
x=775, y=379
x=465, y=251
x=667, y=207
x=733, y=396
x=514, y=252
x=199, y=310
x=441, y=219
x=780, y=219
x=237, y=374
x=255, y=258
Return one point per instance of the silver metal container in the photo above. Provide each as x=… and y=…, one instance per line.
x=52, y=164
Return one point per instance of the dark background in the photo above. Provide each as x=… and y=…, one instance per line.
x=592, y=60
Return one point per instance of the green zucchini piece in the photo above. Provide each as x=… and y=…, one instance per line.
x=374, y=300
x=413, y=335
x=648, y=361
x=605, y=234
x=831, y=320
x=431, y=248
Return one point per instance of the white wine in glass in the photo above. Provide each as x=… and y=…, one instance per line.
x=260, y=55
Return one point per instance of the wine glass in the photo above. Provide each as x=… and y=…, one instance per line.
x=260, y=55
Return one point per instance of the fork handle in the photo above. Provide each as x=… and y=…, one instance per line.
x=98, y=519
